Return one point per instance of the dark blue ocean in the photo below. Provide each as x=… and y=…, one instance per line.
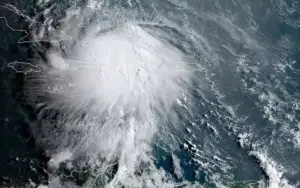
x=235, y=123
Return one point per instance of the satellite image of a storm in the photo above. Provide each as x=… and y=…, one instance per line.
x=149, y=93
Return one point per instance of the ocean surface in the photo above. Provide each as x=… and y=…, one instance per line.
x=150, y=93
